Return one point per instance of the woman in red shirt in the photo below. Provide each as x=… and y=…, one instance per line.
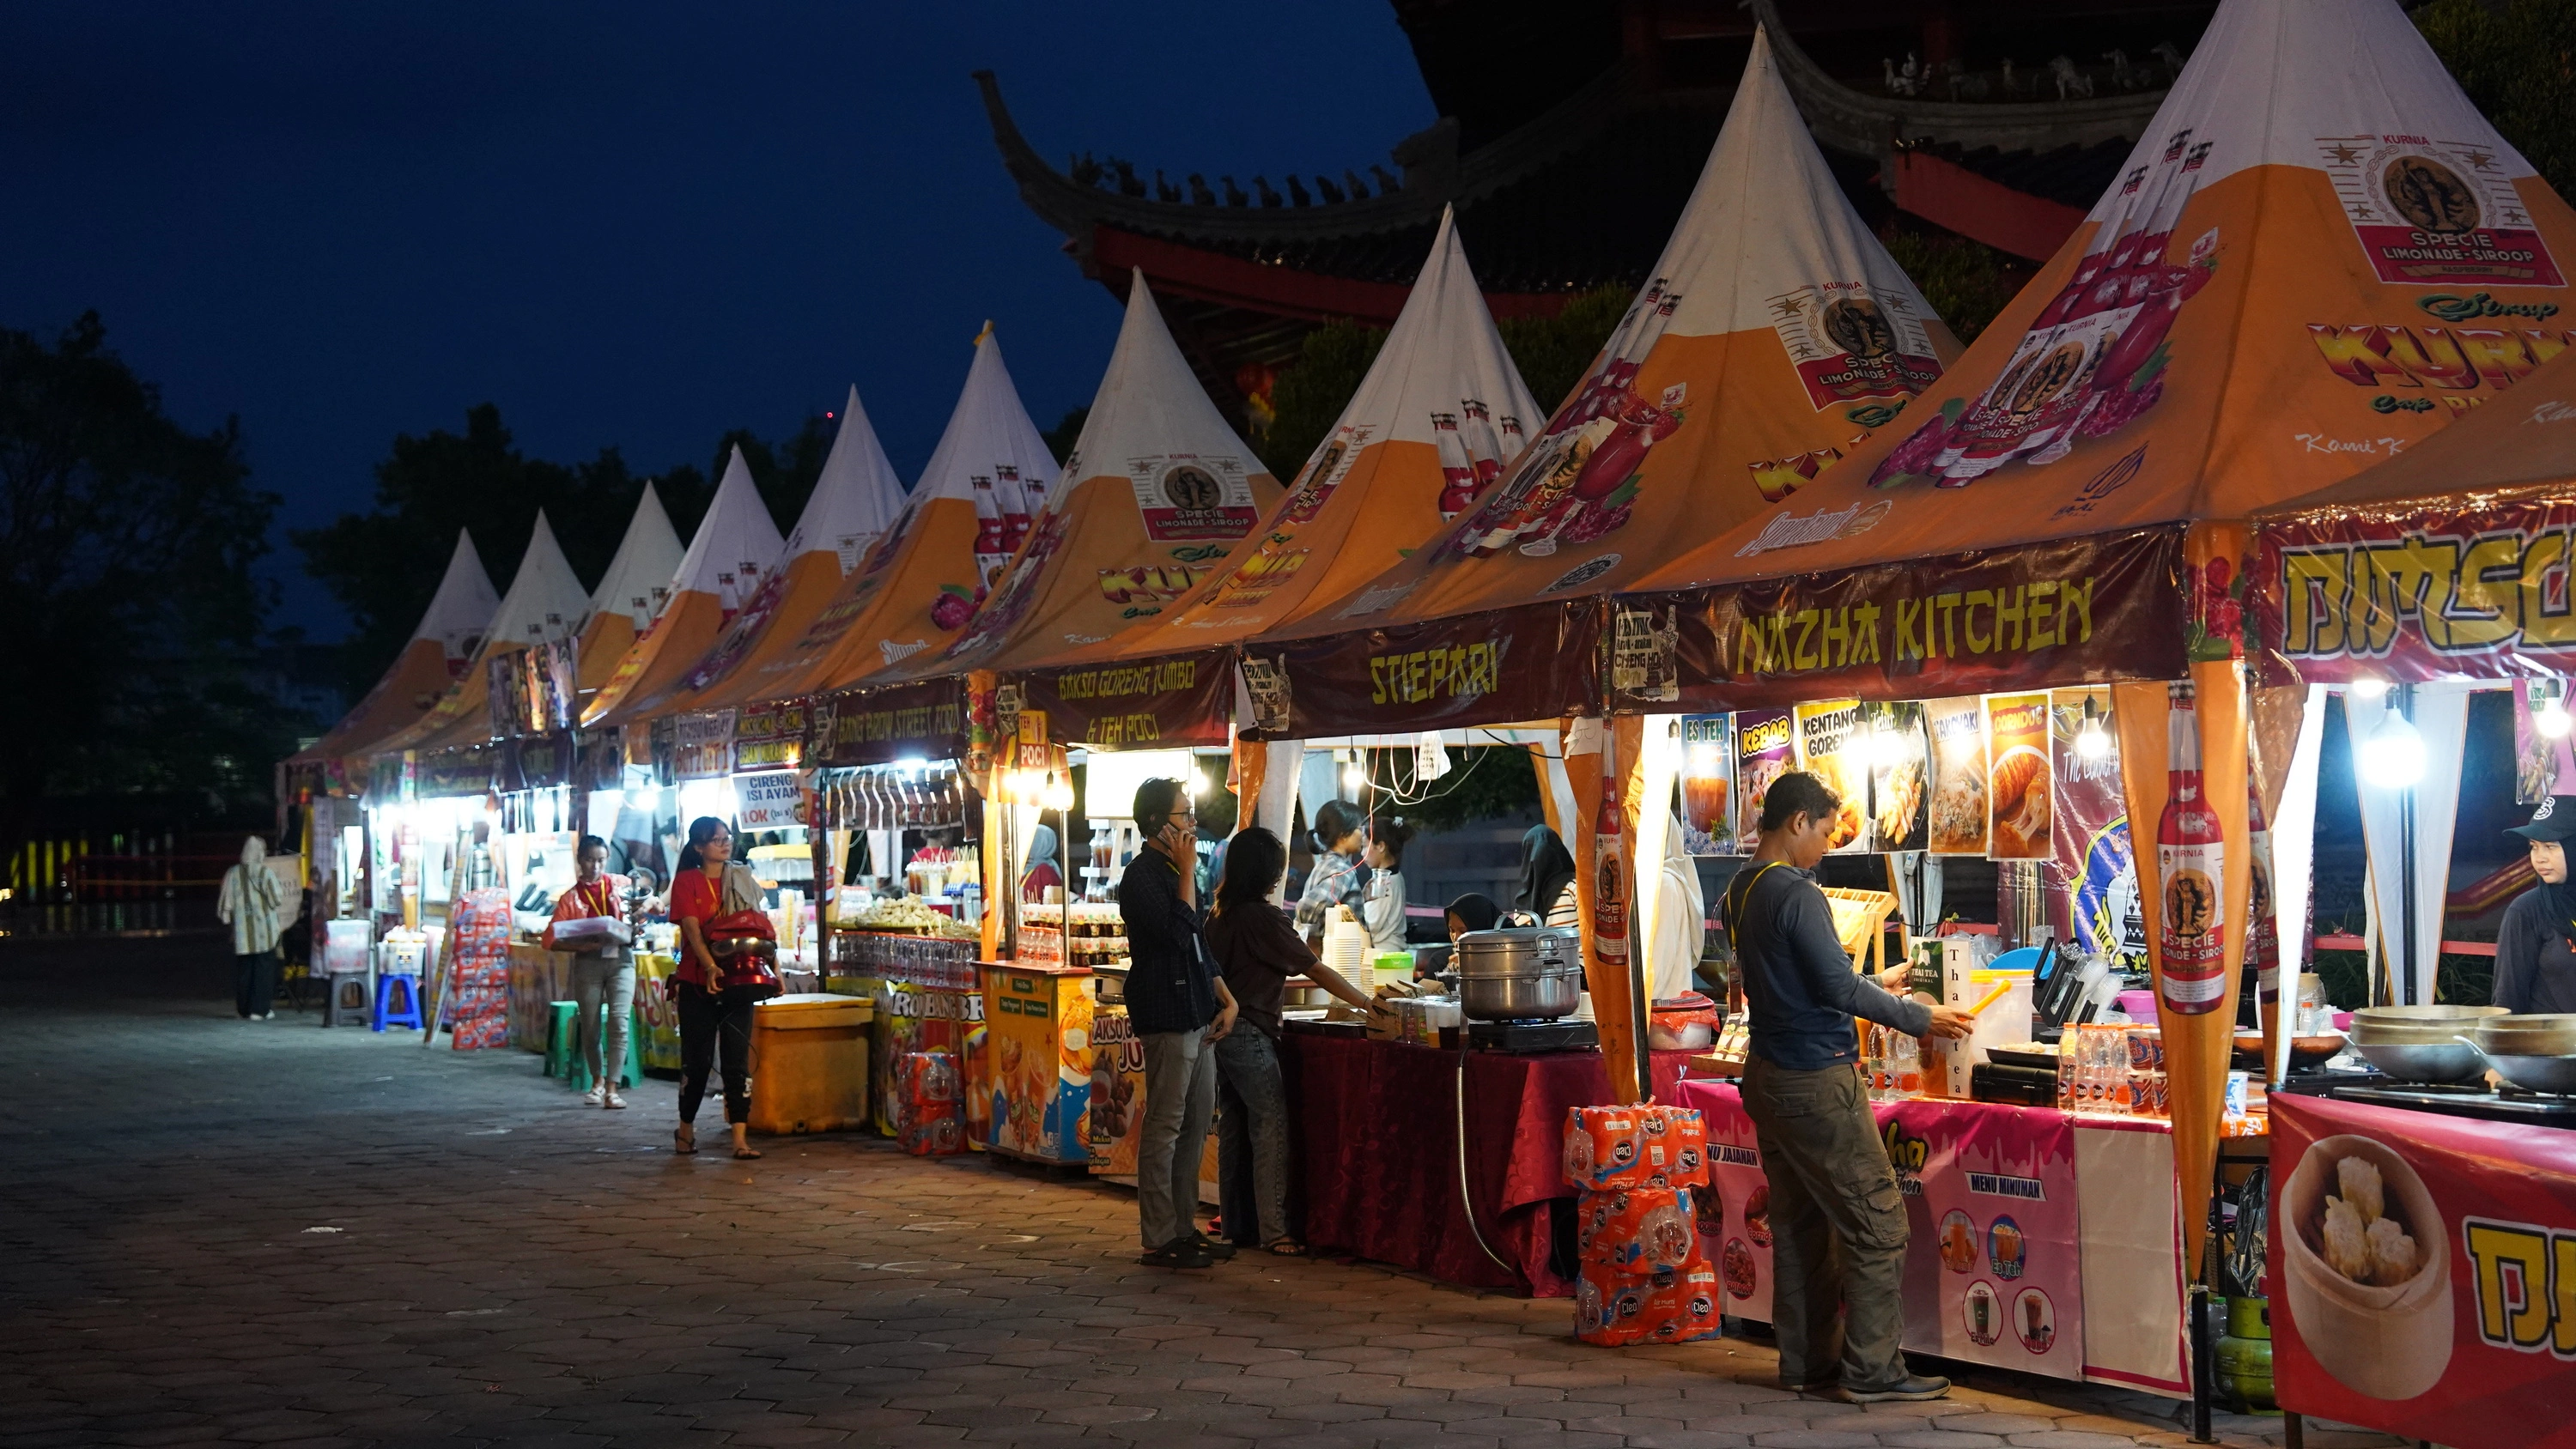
x=712, y=1015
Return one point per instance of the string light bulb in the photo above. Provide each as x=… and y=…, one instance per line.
x=2368, y=687
x=2552, y=721
x=2393, y=757
x=2092, y=742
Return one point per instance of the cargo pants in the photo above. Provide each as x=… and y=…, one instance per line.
x=1838, y=1227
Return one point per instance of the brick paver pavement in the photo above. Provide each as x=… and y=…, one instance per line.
x=267, y=1233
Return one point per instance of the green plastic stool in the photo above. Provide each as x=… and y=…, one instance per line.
x=560, y=1016
x=577, y=1069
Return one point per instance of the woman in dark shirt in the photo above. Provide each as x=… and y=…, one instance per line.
x=1258, y=952
x=2535, y=965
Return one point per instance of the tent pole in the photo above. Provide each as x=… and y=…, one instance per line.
x=2405, y=992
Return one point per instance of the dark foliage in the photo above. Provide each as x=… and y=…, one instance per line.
x=126, y=545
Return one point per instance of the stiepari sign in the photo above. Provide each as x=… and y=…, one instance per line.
x=1539, y=661
x=2081, y=610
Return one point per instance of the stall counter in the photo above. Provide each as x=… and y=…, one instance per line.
x=2043, y=1241
x=1039, y=1071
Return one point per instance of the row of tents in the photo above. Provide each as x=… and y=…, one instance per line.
x=1781, y=479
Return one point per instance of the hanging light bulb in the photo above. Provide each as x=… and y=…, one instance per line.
x=2552, y=720
x=1353, y=777
x=1059, y=792
x=2368, y=688
x=2092, y=742
x=2393, y=757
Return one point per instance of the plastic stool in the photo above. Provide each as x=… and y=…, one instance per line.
x=560, y=1016
x=386, y=1014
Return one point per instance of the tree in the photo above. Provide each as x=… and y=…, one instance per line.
x=1553, y=353
x=126, y=546
x=2517, y=62
x=1967, y=282
x=383, y=566
x=1311, y=392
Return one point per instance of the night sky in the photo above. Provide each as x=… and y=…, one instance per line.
x=636, y=224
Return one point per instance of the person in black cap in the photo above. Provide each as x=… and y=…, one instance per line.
x=2536, y=945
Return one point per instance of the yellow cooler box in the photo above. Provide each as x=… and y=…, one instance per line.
x=809, y=1063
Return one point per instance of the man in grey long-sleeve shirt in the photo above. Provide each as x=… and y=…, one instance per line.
x=1833, y=1192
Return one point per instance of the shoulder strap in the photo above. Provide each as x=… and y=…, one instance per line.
x=1735, y=904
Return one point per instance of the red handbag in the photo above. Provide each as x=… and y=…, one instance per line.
x=745, y=947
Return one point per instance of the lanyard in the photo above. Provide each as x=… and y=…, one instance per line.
x=1735, y=905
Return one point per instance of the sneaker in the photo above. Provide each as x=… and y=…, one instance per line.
x=1178, y=1253
x=1916, y=1389
x=614, y=1103
x=1217, y=1248
x=596, y=1095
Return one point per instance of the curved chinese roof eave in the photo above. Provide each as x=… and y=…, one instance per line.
x=1868, y=125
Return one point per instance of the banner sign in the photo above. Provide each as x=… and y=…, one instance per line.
x=771, y=800
x=451, y=773
x=702, y=745
x=1536, y=661
x=1186, y=700
x=532, y=762
x=1990, y=1197
x=2073, y=610
x=2422, y=1272
x=769, y=736
x=925, y=721
x=534, y=690
x=2435, y=593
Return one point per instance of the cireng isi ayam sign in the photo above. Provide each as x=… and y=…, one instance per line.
x=2070, y=611
x=2443, y=592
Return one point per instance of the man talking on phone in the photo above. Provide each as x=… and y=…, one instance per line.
x=1837, y=1224
x=1180, y=1009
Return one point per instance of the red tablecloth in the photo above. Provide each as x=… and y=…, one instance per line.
x=1378, y=1150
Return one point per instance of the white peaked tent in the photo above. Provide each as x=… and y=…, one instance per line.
x=546, y=603
x=638, y=580
x=1158, y=491
x=735, y=548
x=1774, y=333
x=546, y=600
x=451, y=629
x=461, y=611
x=857, y=497
x=1440, y=413
x=917, y=584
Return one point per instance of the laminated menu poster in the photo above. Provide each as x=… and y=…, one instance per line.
x=2091, y=833
x=1958, y=731
x=1833, y=748
x=1766, y=747
x=1708, y=785
x=2019, y=784
x=1900, y=767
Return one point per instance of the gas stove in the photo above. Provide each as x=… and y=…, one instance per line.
x=2508, y=1103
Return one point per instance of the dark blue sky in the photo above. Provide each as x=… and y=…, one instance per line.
x=633, y=224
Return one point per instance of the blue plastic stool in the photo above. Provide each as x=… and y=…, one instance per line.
x=386, y=1014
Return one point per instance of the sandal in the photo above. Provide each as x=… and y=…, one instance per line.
x=745, y=1154
x=684, y=1139
x=1287, y=1248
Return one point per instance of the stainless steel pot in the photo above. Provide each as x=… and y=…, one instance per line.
x=1521, y=973
x=2454, y=1061
x=2530, y=1036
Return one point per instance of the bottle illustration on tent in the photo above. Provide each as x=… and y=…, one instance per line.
x=2191, y=863
x=1574, y=483
x=2092, y=361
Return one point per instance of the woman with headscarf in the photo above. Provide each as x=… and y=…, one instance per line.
x=1546, y=894
x=1680, y=926
x=254, y=905
x=1473, y=912
x=1043, y=872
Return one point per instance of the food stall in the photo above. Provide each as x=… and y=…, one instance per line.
x=2421, y=1216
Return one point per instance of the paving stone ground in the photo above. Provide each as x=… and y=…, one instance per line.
x=270, y=1233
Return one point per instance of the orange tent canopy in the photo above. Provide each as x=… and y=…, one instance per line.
x=449, y=634
x=1775, y=334
x=631, y=593
x=735, y=548
x=919, y=582
x=545, y=603
x=1163, y=492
